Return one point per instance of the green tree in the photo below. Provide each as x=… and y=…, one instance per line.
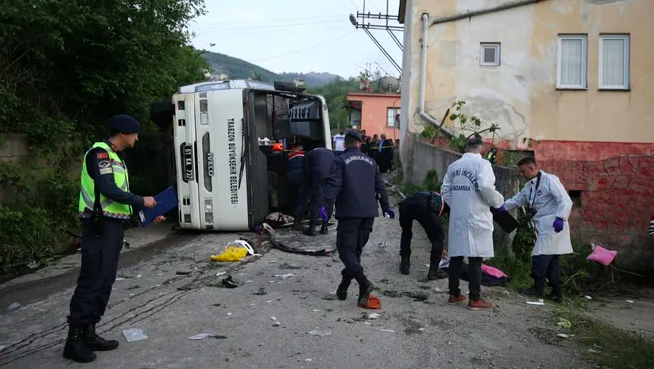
x=335, y=94
x=67, y=66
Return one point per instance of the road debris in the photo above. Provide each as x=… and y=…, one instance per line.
x=134, y=334
x=202, y=336
x=260, y=292
x=13, y=306
x=284, y=276
x=320, y=333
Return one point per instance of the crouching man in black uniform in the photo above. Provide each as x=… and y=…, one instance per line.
x=356, y=184
x=427, y=208
x=318, y=165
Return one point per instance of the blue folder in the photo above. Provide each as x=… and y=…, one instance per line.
x=166, y=201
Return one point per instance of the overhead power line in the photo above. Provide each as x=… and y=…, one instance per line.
x=283, y=25
x=303, y=49
x=273, y=20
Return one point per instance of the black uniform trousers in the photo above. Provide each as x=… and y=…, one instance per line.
x=545, y=266
x=431, y=224
x=297, y=195
x=98, y=271
x=352, y=235
x=315, y=196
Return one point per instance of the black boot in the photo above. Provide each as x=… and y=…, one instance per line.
x=537, y=290
x=96, y=343
x=323, y=228
x=311, y=230
x=557, y=294
x=297, y=224
x=75, y=348
x=365, y=289
x=405, y=265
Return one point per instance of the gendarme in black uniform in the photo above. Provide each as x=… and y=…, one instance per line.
x=102, y=220
x=355, y=184
x=427, y=208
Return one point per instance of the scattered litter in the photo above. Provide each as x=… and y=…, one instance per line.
x=276, y=324
x=565, y=335
x=229, y=314
x=288, y=266
x=438, y=290
x=229, y=282
x=2, y=347
x=253, y=304
x=588, y=297
x=594, y=351
x=565, y=323
x=421, y=329
x=387, y=330
x=367, y=323
x=284, y=276
x=269, y=301
x=120, y=279
x=13, y=306
x=273, y=318
x=630, y=301
x=220, y=273
x=183, y=273
x=134, y=334
x=373, y=316
x=308, y=360
x=138, y=276
x=540, y=302
x=234, y=251
x=201, y=336
x=320, y=333
x=316, y=310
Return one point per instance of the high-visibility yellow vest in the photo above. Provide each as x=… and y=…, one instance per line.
x=110, y=208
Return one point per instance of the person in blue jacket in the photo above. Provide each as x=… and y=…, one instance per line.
x=295, y=178
x=318, y=165
x=357, y=186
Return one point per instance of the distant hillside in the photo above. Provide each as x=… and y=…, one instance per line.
x=240, y=69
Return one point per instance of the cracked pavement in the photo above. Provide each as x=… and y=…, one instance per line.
x=265, y=322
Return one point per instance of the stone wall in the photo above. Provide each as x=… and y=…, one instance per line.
x=427, y=157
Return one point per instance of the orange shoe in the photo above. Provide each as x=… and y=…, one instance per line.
x=374, y=303
x=456, y=299
x=479, y=305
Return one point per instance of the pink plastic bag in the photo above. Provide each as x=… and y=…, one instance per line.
x=602, y=255
x=493, y=272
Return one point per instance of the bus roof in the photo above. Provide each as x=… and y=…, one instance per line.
x=239, y=84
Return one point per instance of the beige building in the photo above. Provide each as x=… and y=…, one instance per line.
x=576, y=74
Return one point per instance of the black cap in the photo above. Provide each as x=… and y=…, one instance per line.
x=353, y=134
x=124, y=124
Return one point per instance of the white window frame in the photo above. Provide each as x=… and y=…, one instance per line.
x=490, y=45
x=584, y=62
x=396, y=111
x=627, y=59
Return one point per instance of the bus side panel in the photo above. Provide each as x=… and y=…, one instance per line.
x=228, y=144
x=184, y=139
x=257, y=167
x=325, y=119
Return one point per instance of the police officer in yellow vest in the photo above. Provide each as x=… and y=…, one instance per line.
x=105, y=202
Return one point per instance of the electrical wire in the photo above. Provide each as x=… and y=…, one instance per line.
x=275, y=20
x=303, y=49
x=286, y=25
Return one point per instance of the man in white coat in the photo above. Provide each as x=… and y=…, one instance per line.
x=549, y=207
x=469, y=190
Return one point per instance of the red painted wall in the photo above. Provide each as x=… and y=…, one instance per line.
x=617, y=197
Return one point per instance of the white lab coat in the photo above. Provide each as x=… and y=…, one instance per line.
x=469, y=189
x=550, y=200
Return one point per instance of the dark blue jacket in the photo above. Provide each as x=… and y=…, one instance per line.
x=318, y=164
x=295, y=169
x=437, y=205
x=356, y=184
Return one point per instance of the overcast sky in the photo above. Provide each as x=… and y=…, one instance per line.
x=291, y=36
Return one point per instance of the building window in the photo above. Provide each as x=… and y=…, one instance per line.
x=391, y=116
x=614, y=62
x=490, y=54
x=571, y=64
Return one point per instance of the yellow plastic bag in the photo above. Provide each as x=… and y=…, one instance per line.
x=235, y=251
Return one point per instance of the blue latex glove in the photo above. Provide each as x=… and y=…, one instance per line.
x=501, y=209
x=323, y=214
x=390, y=213
x=558, y=225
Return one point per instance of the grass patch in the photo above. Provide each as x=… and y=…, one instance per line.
x=608, y=346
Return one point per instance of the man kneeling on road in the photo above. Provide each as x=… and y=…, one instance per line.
x=427, y=208
x=549, y=206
